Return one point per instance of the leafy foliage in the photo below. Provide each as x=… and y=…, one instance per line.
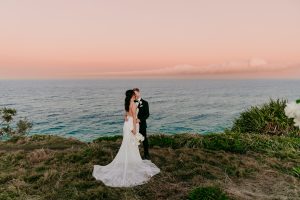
x=7, y=115
x=269, y=118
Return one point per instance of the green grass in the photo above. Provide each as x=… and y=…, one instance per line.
x=296, y=171
x=207, y=193
x=51, y=167
x=278, y=146
x=268, y=118
x=108, y=138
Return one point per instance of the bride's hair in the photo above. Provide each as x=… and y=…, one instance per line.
x=129, y=94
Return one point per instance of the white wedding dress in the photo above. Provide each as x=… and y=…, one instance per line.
x=292, y=110
x=127, y=169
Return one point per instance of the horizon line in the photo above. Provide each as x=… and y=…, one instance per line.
x=148, y=78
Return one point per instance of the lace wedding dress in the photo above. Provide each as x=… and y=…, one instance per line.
x=127, y=169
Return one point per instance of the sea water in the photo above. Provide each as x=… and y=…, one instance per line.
x=88, y=109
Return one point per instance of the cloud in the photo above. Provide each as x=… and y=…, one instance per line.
x=242, y=66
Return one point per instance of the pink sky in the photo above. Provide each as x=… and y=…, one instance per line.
x=157, y=38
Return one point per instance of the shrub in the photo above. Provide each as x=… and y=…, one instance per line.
x=23, y=126
x=7, y=116
x=207, y=193
x=269, y=118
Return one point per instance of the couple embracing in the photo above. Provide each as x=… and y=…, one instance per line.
x=128, y=168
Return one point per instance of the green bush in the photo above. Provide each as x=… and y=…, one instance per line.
x=269, y=118
x=207, y=193
x=7, y=115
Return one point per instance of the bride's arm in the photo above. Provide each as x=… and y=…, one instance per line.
x=125, y=116
x=133, y=110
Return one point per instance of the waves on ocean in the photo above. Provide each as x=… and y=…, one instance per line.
x=87, y=109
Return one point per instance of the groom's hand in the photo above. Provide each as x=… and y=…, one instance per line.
x=125, y=118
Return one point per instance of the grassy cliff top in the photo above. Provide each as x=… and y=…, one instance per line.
x=243, y=166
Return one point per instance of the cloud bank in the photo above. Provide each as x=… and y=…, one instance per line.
x=243, y=66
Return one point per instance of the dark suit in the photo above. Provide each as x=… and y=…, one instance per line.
x=143, y=115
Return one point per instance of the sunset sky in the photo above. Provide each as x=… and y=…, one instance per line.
x=45, y=39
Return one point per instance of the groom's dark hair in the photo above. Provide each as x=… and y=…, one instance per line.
x=136, y=89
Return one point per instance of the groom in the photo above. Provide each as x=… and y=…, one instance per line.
x=143, y=114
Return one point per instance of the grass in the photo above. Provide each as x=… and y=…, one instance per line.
x=296, y=171
x=268, y=118
x=234, y=165
x=279, y=146
x=207, y=193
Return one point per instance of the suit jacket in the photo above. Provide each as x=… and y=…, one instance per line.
x=143, y=113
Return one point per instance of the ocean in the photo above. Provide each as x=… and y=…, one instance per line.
x=88, y=109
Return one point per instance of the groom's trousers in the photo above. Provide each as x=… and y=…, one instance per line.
x=143, y=131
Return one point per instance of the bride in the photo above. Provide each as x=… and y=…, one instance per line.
x=127, y=169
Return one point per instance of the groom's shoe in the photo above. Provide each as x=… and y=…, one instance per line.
x=146, y=157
